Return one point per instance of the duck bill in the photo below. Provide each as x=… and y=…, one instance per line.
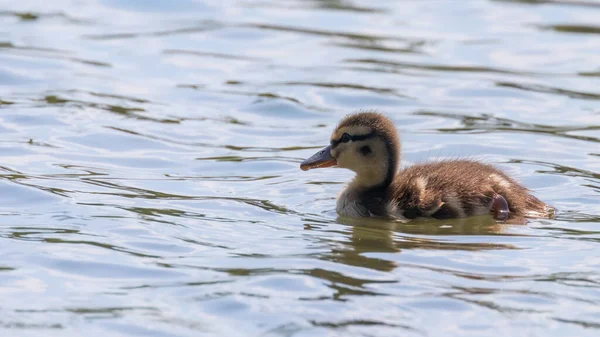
x=320, y=159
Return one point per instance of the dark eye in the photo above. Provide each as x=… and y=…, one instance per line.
x=345, y=138
x=365, y=150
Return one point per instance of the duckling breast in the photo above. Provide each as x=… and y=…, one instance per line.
x=348, y=204
x=373, y=202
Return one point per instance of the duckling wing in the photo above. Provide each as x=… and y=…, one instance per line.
x=459, y=188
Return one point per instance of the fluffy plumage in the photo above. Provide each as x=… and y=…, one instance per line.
x=368, y=144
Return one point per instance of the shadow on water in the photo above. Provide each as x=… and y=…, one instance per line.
x=365, y=236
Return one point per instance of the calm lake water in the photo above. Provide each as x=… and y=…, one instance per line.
x=150, y=181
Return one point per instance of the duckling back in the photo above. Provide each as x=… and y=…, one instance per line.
x=460, y=188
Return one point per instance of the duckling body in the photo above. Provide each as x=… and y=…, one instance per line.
x=367, y=143
x=441, y=190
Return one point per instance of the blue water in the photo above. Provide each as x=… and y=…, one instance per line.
x=150, y=181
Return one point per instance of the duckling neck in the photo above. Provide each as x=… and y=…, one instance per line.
x=377, y=177
x=368, y=194
x=364, y=197
x=368, y=181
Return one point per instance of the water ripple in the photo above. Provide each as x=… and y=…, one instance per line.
x=149, y=179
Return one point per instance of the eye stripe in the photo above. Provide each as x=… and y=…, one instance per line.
x=362, y=137
x=334, y=143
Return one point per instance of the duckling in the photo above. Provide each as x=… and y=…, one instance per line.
x=368, y=144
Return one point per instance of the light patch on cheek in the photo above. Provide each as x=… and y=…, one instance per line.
x=334, y=153
x=339, y=153
x=348, y=161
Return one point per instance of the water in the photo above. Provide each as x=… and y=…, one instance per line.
x=150, y=181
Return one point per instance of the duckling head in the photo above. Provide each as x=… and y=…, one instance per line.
x=364, y=142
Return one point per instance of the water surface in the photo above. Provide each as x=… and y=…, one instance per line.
x=150, y=182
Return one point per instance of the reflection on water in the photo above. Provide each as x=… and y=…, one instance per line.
x=150, y=182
